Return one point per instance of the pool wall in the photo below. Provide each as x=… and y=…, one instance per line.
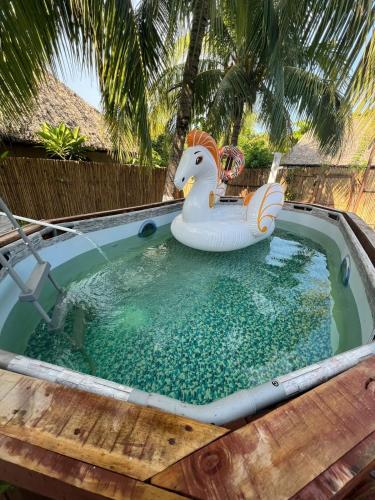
x=109, y=229
x=362, y=275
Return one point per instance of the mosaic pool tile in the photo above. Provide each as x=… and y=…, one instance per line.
x=198, y=326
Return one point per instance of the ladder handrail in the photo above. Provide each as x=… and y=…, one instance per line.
x=13, y=273
x=45, y=224
x=20, y=231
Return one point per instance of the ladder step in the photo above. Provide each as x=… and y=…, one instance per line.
x=59, y=314
x=79, y=326
x=35, y=282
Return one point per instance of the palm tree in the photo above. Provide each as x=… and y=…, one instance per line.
x=125, y=45
x=290, y=56
x=128, y=47
x=199, y=25
x=361, y=91
x=299, y=85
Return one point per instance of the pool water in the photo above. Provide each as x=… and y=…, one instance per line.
x=198, y=326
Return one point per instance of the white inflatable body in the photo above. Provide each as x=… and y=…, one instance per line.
x=206, y=225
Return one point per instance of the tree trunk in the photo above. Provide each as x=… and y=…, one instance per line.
x=237, y=124
x=198, y=29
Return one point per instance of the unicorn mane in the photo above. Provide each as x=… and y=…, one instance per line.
x=196, y=137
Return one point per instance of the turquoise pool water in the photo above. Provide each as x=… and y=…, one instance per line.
x=198, y=326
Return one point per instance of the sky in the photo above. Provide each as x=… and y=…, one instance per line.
x=85, y=84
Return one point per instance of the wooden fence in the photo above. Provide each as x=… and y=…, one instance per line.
x=42, y=188
x=365, y=205
x=336, y=187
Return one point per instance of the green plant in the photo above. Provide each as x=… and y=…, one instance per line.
x=160, y=150
x=61, y=142
x=4, y=487
x=123, y=42
x=256, y=151
x=157, y=159
x=302, y=128
x=4, y=155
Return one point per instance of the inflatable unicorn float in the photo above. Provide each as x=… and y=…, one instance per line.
x=206, y=224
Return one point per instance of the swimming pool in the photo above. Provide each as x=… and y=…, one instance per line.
x=167, y=321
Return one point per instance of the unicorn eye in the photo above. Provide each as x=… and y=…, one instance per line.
x=198, y=160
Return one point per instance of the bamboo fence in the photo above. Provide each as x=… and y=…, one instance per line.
x=336, y=187
x=42, y=188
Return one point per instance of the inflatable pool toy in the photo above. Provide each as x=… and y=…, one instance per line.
x=206, y=225
x=238, y=162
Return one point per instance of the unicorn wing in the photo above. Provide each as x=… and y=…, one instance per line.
x=264, y=207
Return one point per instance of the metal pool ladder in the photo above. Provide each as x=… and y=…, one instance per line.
x=33, y=286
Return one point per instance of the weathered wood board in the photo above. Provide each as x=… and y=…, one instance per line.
x=115, y=435
x=342, y=476
x=278, y=454
x=59, y=477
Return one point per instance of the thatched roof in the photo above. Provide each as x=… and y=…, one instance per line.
x=57, y=104
x=356, y=149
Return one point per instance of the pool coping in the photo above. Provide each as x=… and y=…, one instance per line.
x=363, y=232
x=12, y=236
x=237, y=405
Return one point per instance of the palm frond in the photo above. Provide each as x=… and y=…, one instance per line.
x=319, y=102
x=30, y=37
x=125, y=45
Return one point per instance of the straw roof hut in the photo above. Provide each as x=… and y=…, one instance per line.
x=56, y=104
x=356, y=150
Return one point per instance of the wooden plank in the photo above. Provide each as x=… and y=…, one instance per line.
x=5, y=225
x=14, y=493
x=56, y=476
x=344, y=475
x=278, y=454
x=115, y=435
x=363, y=490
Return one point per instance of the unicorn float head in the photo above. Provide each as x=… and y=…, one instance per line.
x=207, y=225
x=199, y=160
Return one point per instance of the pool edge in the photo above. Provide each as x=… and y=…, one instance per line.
x=220, y=412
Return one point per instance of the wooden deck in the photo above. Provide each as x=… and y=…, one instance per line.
x=63, y=443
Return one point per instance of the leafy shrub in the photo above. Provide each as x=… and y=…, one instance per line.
x=5, y=487
x=62, y=143
x=160, y=153
x=156, y=159
x=257, y=151
x=161, y=150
